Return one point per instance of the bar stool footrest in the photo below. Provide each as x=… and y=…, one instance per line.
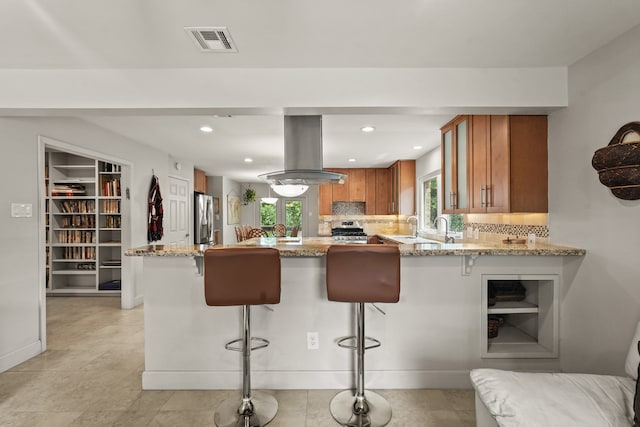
x=341, y=343
x=262, y=343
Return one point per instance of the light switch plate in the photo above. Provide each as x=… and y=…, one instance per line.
x=21, y=210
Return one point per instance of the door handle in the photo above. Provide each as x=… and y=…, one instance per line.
x=482, y=196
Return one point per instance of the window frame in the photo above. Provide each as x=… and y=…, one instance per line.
x=423, y=226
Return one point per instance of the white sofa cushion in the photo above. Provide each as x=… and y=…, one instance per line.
x=633, y=358
x=555, y=400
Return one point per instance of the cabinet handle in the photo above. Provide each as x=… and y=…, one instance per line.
x=451, y=199
x=454, y=203
x=482, y=196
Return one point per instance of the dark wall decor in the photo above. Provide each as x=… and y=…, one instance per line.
x=618, y=164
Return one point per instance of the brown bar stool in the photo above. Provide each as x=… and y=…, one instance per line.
x=361, y=274
x=246, y=277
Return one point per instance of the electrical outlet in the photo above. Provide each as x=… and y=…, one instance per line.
x=313, y=341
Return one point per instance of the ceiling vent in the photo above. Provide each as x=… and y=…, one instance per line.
x=212, y=39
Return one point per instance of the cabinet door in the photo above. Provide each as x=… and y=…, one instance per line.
x=478, y=147
x=455, y=180
x=370, y=192
x=406, y=187
x=447, y=170
x=460, y=184
x=325, y=199
x=529, y=171
x=357, y=178
x=383, y=191
x=393, y=198
x=499, y=166
x=341, y=191
x=199, y=181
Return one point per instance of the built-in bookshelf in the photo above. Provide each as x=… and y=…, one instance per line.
x=84, y=225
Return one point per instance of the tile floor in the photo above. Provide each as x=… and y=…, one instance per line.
x=90, y=376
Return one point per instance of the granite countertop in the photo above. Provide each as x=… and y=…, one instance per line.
x=317, y=246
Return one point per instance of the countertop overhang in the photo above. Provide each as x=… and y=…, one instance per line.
x=317, y=246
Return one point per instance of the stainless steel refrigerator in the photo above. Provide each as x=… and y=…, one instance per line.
x=203, y=219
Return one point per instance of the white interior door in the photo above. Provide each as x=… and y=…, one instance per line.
x=178, y=202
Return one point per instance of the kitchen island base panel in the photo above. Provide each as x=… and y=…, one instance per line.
x=307, y=380
x=431, y=337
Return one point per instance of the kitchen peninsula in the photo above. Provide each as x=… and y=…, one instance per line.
x=432, y=337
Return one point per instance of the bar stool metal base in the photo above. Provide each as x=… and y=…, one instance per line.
x=344, y=411
x=265, y=408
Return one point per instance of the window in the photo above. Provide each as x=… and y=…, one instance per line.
x=430, y=205
x=293, y=213
x=267, y=214
x=285, y=211
x=429, y=201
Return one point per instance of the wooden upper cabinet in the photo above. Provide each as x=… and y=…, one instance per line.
x=325, y=199
x=199, y=181
x=407, y=187
x=375, y=188
x=357, y=184
x=529, y=164
x=508, y=164
x=341, y=191
x=370, y=192
x=383, y=191
x=402, y=187
x=455, y=152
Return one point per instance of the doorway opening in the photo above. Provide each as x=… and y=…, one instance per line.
x=84, y=225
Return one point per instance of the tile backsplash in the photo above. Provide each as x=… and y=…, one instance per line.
x=541, y=231
x=347, y=208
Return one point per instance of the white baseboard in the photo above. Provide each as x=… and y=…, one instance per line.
x=293, y=380
x=138, y=300
x=14, y=358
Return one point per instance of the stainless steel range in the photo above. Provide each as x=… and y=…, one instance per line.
x=349, y=232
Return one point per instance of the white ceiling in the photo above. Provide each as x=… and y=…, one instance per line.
x=299, y=33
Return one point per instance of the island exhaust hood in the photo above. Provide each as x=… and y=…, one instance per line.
x=303, y=154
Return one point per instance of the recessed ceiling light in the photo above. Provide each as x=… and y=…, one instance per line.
x=248, y=159
x=367, y=129
x=417, y=147
x=206, y=129
x=351, y=160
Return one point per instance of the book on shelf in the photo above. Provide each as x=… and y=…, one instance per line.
x=64, y=189
x=111, y=167
x=112, y=263
x=111, y=206
x=77, y=206
x=110, y=187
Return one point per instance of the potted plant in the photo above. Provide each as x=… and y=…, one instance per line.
x=249, y=196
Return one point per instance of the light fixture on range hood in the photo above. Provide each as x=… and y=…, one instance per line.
x=302, y=155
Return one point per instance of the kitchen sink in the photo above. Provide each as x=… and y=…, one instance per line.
x=408, y=239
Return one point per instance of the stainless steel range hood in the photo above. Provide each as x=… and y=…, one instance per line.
x=303, y=154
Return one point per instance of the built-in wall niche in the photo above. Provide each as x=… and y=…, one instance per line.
x=83, y=224
x=527, y=327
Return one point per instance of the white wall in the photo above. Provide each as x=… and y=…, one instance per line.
x=429, y=163
x=602, y=291
x=19, y=249
x=229, y=186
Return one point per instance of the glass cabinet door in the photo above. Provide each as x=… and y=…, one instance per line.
x=447, y=165
x=460, y=198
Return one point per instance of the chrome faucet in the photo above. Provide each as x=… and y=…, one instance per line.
x=416, y=218
x=447, y=238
